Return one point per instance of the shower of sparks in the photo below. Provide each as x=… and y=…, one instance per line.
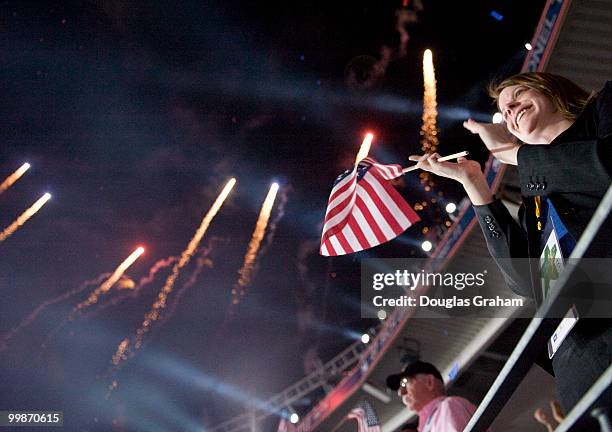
x=135, y=291
x=258, y=234
x=283, y=197
x=8, y=182
x=108, y=284
x=121, y=350
x=162, y=297
x=429, y=130
x=8, y=231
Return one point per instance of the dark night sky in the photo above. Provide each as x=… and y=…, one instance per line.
x=133, y=115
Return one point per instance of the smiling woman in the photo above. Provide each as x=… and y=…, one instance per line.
x=565, y=166
x=538, y=107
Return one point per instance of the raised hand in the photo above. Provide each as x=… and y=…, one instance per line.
x=496, y=137
x=461, y=171
x=465, y=171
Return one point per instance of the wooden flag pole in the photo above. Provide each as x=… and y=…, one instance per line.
x=442, y=159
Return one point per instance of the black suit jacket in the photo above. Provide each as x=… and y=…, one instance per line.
x=573, y=172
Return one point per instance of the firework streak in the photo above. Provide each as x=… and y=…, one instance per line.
x=246, y=270
x=135, y=292
x=280, y=212
x=429, y=130
x=8, y=182
x=8, y=231
x=162, y=297
x=108, y=284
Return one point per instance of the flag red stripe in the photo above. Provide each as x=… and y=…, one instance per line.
x=400, y=201
x=343, y=188
x=382, y=208
x=340, y=224
x=351, y=225
x=361, y=238
x=344, y=243
x=339, y=207
x=380, y=236
x=330, y=248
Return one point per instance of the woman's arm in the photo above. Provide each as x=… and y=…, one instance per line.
x=497, y=139
x=505, y=238
x=507, y=244
x=466, y=172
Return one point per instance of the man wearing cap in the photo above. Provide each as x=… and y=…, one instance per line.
x=421, y=387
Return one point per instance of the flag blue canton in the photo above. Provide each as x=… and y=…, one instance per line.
x=361, y=171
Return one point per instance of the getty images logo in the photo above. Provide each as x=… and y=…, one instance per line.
x=411, y=280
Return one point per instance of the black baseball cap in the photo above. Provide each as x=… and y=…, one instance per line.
x=418, y=367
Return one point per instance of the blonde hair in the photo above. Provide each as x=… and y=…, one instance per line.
x=567, y=97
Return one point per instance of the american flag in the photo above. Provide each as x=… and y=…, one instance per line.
x=364, y=210
x=367, y=420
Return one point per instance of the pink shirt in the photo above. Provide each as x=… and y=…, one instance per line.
x=448, y=414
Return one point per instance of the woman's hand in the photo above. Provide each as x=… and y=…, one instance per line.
x=462, y=171
x=497, y=139
x=467, y=172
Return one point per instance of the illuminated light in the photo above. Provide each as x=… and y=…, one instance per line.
x=108, y=283
x=497, y=118
x=528, y=46
x=365, y=147
x=246, y=271
x=497, y=15
x=24, y=217
x=294, y=418
x=429, y=129
x=451, y=207
x=426, y=246
x=365, y=338
x=382, y=314
x=425, y=230
x=10, y=180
